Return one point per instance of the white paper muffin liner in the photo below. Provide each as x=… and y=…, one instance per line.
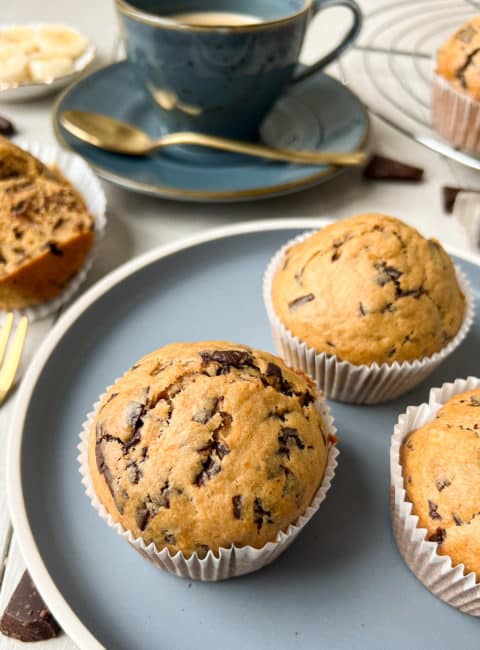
x=345, y=381
x=435, y=571
x=455, y=115
x=76, y=170
x=233, y=561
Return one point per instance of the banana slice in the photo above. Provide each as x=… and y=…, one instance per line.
x=59, y=40
x=23, y=37
x=13, y=66
x=47, y=67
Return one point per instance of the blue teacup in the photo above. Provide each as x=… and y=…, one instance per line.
x=221, y=78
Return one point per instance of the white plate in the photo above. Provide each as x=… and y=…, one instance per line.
x=32, y=89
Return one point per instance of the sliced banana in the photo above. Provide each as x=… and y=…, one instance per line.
x=13, y=67
x=46, y=67
x=23, y=37
x=59, y=40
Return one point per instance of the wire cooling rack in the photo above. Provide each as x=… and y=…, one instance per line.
x=393, y=62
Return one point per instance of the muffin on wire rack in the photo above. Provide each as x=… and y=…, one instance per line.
x=456, y=88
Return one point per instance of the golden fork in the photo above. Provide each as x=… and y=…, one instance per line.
x=9, y=362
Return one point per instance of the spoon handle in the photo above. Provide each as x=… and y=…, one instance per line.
x=252, y=149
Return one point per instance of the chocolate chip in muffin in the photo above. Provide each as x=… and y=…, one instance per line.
x=286, y=436
x=207, y=410
x=237, y=503
x=300, y=301
x=442, y=484
x=438, y=536
x=260, y=514
x=54, y=249
x=457, y=519
x=228, y=359
x=433, y=510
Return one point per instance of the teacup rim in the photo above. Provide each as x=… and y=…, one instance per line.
x=139, y=15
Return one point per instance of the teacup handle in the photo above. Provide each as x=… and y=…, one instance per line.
x=319, y=5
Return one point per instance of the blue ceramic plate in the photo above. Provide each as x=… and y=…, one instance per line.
x=319, y=114
x=341, y=585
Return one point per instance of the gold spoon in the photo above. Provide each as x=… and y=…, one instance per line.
x=106, y=133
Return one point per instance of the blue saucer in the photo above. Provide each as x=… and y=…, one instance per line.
x=319, y=113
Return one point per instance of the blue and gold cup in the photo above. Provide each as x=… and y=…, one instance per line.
x=211, y=69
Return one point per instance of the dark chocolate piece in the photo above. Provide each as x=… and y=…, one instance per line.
x=26, y=617
x=7, y=128
x=450, y=194
x=381, y=168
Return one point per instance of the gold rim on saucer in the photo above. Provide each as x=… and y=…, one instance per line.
x=163, y=191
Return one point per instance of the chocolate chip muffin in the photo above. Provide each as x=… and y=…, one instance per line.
x=201, y=446
x=369, y=289
x=46, y=229
x=441, y=472
x=456, y=88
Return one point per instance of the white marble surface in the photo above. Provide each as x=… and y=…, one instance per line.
x=139, y=223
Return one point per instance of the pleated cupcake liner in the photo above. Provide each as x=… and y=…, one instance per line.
x=76, y=170
x=345, y=381
x=436, y=572
x=455, y=115
x=230, y=562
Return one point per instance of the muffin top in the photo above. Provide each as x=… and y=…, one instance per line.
x=369, y=289
x=441, y=471
x=204, y=445
x=458, y=60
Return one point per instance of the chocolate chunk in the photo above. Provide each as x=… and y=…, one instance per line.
x=456, y=519
x=387, y=274
x=337, y=245
x=209, y=468
x=207, y=410
x=410, y=293
x=134, y=416
x=302, y=300
x=142, y=517
x=260, y=515
x=382, y=168
x=102, y=465
x=169, y=538
x=438, y=536
x=450, y=194
x=442, y=484
x=237, y=503
x=7, y=129
x=274, y=378
x=433, y=510
x=387, y=309
x=54, y=249
x=133, y=472
x=26, y=617
x=162, y=499
x=58, y=223
x=228, y=359
x=286, y=435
